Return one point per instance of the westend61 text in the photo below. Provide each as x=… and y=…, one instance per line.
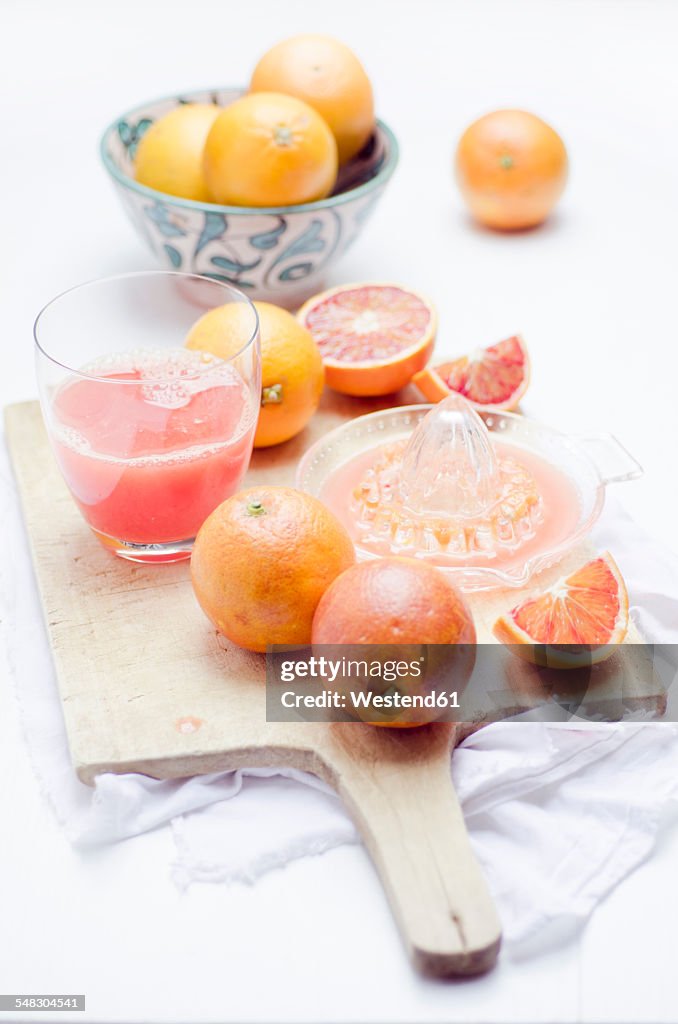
x=366, y=699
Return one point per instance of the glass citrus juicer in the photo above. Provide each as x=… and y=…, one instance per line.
x=491, y=498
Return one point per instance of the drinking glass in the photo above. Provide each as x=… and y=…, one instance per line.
x=150, y=435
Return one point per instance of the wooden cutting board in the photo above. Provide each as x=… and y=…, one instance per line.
x=148, y=686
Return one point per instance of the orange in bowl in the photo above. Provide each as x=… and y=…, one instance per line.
x=373, y=337
x=169, y=154
x=268, y=149
x=328, y=76
x=262, y=561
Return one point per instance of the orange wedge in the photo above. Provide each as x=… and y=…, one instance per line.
x=493, y=378
x=578, y=621
x=373, y=337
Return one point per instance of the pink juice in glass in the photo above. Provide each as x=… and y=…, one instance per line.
x=151, y=442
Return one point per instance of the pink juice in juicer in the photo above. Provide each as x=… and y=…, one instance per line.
x=491, y=498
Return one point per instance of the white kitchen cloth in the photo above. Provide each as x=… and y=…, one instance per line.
x=557, y=814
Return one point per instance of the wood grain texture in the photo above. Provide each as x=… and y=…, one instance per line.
x=148, y=686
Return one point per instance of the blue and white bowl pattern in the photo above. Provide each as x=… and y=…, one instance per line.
x=277, y=254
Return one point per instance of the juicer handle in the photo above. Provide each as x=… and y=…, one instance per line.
x=613, y=462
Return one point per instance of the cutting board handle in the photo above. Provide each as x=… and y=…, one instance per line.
x=397, y=785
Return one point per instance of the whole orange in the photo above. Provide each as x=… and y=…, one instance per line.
x=408, y=612
x=262, y=561
x=292, y=372
x=511, y=168
x=169, y=155
x=393, y=601
x=325, y=73
x=268, y=149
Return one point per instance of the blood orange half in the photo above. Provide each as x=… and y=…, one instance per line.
x=372, y=337
x=580, y=620
x=493, y=378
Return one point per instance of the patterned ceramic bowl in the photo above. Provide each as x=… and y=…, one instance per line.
x=276, y=253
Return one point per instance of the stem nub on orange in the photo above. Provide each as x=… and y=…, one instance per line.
x=262, y=561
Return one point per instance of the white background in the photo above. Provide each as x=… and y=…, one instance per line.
x=593, y=293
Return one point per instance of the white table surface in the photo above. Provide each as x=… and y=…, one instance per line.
x=593, y=293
